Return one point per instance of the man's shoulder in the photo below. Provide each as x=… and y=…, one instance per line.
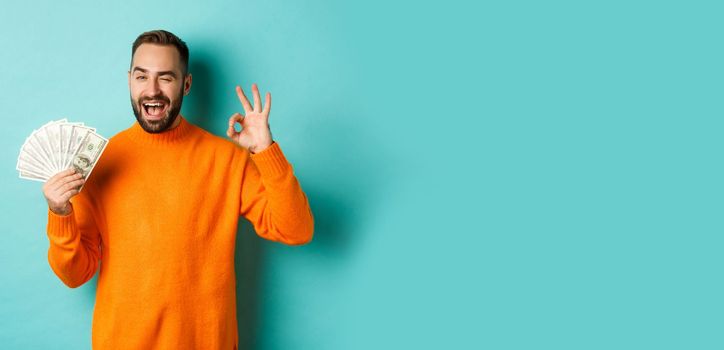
x=207, y=136
x=209, y=139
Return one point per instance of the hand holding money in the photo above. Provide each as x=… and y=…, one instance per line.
x=57, y=146
x=60, y=188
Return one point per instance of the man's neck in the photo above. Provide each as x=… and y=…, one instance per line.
x=176, y=122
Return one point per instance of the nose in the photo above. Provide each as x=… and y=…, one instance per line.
x=154, y=87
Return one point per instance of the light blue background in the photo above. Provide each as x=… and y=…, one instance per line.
x=533, y=175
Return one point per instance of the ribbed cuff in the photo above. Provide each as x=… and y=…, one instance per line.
x=271, y=161
x=61, y=226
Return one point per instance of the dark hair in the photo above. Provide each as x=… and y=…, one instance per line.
x=162, y=37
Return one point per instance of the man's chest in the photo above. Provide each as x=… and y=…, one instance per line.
x=169, y=201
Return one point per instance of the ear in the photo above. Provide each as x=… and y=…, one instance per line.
x=187, y=84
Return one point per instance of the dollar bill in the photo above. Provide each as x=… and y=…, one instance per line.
x=77, y=135
x=87, y=154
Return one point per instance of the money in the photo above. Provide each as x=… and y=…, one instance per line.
x=57, y=146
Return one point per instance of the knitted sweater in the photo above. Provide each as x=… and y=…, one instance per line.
x=159, y=215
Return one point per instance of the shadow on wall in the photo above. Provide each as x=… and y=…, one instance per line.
x=200, y=106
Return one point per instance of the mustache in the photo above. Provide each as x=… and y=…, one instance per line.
x=155, y=98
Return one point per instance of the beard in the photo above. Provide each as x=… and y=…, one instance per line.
x=158, y=126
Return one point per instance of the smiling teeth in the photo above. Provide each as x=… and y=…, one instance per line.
x=152, y=104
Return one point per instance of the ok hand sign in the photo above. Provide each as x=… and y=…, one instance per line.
x=255, y=134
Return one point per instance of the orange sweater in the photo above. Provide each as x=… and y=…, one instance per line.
x=159, y=214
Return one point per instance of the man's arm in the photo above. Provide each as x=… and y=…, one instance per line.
x=74, y=238
x=271, y=197
x=273, y=201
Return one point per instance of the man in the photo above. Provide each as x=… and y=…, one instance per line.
x=159, y=213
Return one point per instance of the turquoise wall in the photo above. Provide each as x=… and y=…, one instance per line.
x=500, y=175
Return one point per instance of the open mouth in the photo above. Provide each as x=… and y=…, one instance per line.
x=154, y=109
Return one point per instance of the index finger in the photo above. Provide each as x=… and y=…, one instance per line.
x=243, y=99
x=61, y=175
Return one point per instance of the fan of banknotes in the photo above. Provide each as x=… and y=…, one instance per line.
x=57, y=146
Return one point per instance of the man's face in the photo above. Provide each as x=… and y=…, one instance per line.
x=157, y=86
x=80, y=163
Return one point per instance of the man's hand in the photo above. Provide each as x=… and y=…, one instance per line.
x=255, y=134
x=60, y=188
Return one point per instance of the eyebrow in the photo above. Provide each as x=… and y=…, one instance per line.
x=165, y=72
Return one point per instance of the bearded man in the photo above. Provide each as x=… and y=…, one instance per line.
x=158, y=216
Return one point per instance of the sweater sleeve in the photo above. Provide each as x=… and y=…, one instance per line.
x=273, y=201
x=74, y=242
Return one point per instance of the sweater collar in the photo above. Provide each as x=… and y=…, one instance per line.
x=167, y=137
